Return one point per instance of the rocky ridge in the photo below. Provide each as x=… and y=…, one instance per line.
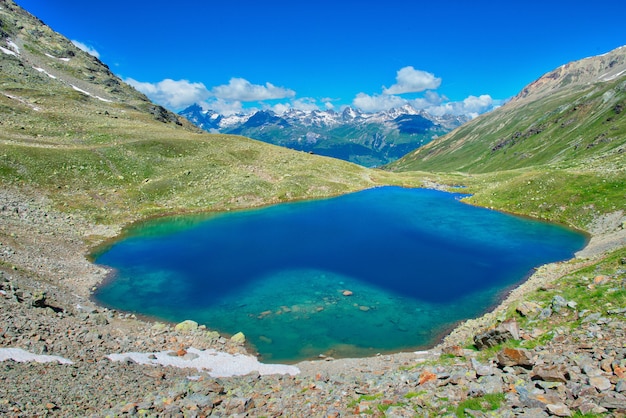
x=534, y=365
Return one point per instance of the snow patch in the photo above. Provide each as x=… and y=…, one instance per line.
x=57, y=58
x=80, y=90
x=19, y=99
x=215, y=363
x=8, y=51
x=90, y=95
x=41, y=70
x=23, y=356
x=609, y=77
x=12, y=45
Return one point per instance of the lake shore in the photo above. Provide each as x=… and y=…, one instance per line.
x=46, y=309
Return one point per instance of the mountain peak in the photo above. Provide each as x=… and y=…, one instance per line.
x=600, y=68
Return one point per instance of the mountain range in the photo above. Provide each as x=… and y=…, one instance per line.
x=368, y=139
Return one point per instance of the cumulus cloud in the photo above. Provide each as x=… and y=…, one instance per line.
x=430, y=99
x=223, y=107
x=432, y=103
x=410, y=80
x=377, y=102
x=471, y=106
x=173, y=94
x=307, y=104
x=88, y=49
x=240, y=89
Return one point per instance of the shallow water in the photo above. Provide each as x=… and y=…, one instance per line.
x=416, y=262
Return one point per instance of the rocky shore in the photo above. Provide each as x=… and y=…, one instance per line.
x=546, y=366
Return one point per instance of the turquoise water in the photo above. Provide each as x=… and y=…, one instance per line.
x=416, y=261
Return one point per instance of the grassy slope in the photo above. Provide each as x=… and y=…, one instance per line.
x=124, y=159
x=559, y=157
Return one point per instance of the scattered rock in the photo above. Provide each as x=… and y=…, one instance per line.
x=503, y=332
x=600, y=382
x=514, y=357
x=186, y=326
x=482, y=369
x=39, y=300
x=560, y=410
x=601, y=279
x=426, y=376
x=554, y=373
x=529, y=309
x=558, y=303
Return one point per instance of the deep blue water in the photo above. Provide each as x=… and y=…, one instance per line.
x=417, y=262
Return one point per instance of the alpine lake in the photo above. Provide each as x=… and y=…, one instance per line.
x=382, y=270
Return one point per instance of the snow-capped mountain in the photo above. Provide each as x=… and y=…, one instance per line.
x=369, y=139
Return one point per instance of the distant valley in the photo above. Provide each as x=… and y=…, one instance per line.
x=368, y=139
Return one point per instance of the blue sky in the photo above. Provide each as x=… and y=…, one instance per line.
x=460, y=57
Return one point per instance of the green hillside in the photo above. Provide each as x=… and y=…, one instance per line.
x=556, y=151
x=73, y=131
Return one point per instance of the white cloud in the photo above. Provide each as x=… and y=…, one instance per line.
x=88, y=49
x=410, y=80
x=471, y=106
x=173, y=94
x=223, y=107
x=240, y=89
x=430, y=99
x=432, y=103
x=377, y=103
x=305, y=103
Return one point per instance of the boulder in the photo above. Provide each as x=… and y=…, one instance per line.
x=529, y=309
x=558, y=303
x=39, y=300
x=545, y=313
x=503, y=332
x=483, y=369
x=600, y=382
x=514, y=357
x=186, y=326
x=98, y=319
x=238, y=338
x=555, y=373
x=426, y=376
x=559, y=409
x=486, y=385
